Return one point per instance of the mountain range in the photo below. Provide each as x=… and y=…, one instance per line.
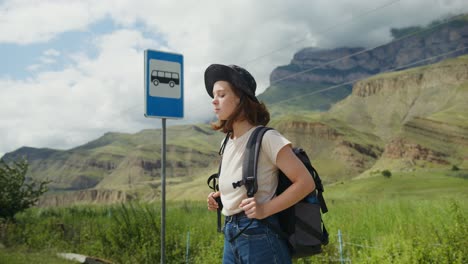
x=315, y=79
x=352, y=119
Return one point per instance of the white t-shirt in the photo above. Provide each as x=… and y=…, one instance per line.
x=267, y=172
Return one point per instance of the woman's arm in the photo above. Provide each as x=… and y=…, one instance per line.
x=302, y=185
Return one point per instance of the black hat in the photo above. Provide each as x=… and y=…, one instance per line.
x=239, y=77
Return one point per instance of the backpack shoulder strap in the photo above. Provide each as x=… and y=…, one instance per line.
x=249, y=168
x=319, y=188
x=250, y=165
x=302, y=155
x=214, y=177
x=250, y=162
x=212, y=181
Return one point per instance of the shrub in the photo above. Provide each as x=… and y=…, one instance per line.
x=16, y=194
x=386, y=173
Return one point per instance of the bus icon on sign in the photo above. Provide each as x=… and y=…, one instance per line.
x=171, y=78
x=164, y=79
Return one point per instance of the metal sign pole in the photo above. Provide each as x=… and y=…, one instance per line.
x=163, y=192
x=164, y=98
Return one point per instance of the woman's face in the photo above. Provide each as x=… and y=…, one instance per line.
x=224, y=100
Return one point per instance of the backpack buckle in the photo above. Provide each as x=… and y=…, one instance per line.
x=250, y=185
x=237, y=184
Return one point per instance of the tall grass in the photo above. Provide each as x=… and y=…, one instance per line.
x=383, y=231
x=401, y=231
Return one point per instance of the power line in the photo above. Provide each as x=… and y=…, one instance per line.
x=360, y=15
x=339, y=59
x=348, y=82
x=366, y=50
x=355, y=80
x=323, y=31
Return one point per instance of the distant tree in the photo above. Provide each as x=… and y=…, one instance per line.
x=455, y=168
x=386, y=173
x=16, y=193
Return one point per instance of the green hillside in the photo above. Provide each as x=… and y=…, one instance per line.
x=118, y=160
x=290, y=97
x=424, y=106
x=414, y=185
x=356, y=137
x=409, y=120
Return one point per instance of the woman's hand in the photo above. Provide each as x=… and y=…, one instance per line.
x=212, y=204
x=252, y=209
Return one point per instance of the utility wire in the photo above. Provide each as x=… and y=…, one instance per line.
x=339, y=59
x=366, y=50
x=322, y=31
x=355, y=80
x=360, y=15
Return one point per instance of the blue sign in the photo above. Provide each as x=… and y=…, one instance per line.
x=164, y=84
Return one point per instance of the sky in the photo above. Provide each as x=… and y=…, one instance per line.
x=70, y=71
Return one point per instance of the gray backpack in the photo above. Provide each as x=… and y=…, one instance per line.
x=301, y=224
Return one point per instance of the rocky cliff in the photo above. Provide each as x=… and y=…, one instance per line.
x=402, y=149
x=85, y=196
x=420, y=113
x=336, y=149
x=312, y=68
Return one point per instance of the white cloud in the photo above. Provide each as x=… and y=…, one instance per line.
x=64, y=108
x=93, y=95
x=48, y=57
x=33, y=67
x=26, y=22
x=52, y=53
x=47, y=60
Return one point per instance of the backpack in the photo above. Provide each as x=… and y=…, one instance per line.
x=301, y=225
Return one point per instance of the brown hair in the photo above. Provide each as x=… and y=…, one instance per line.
x=247, y=109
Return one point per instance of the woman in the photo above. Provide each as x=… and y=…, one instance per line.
x=239, y=112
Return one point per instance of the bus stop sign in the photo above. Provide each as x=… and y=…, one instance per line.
x=164, y=84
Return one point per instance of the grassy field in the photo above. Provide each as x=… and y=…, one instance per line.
x=413, y=217
x=18, y=255
x=419, y=185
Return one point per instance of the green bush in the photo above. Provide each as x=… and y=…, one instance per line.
x=386, y=173
x=16, y=193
